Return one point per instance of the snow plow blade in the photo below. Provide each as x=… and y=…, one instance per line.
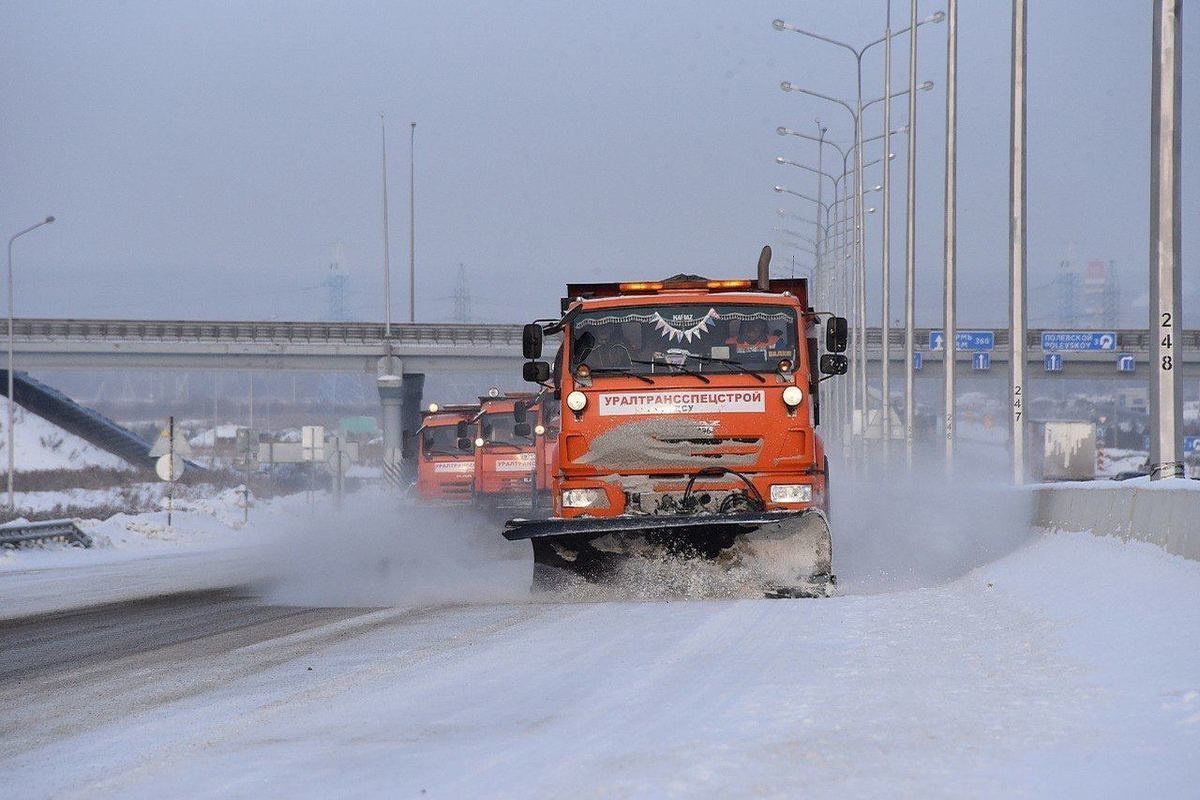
x=788, y=552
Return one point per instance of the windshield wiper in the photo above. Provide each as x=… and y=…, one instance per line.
x=620, y=371
x=739, y=366
x=681, y=367
x=444, y=453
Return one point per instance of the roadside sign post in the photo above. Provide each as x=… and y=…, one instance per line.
x=170, y=448
x=246, y=452
x=312, y=444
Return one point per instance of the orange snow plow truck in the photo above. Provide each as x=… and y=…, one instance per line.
x=689, y=409
x=445, y=458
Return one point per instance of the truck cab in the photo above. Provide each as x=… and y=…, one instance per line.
x=505, y=465
x=445, y=459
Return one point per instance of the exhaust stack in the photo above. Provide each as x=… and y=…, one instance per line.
x=764, y=269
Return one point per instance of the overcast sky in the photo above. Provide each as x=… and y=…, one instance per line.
x=203, y=158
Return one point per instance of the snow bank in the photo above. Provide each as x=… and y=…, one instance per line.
x=207, y=546
x=42, y=445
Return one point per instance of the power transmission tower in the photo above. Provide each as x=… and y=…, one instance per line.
x=336, y=282
x=462, y=296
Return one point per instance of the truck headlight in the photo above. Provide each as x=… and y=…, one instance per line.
x=791, y=493
x=576, y=401
x=792, y=396
x=539, y=430
x=479, y=441
x=584, y=498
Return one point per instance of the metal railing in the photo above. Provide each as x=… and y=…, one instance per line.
x=14, y=535
x=115, y=330
x=370, y=333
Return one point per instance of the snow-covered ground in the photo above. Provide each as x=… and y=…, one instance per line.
x=966, y=657
x=1068, y=668
x=42, y=445
x=138, y=555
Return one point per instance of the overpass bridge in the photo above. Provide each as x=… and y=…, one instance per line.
x=400, y=361
x=420, y=347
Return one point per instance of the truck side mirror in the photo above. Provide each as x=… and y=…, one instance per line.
x=523, y=430
x=464, y=444
x=837, y=332
x=462, y=430
x=519, y=413
x=834, y=364
x=536, y=371
x=531, y=341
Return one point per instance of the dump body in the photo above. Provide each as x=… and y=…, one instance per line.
x=675, y=424
x=445, y=471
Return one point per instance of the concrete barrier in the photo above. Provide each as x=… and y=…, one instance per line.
x=1165, y=513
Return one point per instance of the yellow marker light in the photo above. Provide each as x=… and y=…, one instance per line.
x=743, y=284
x=641, y=286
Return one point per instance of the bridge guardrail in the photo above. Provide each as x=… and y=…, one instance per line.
x=371, y=333
x=264, y=332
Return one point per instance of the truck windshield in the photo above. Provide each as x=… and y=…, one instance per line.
x=498, y=429
x=709, y=338
x=442, y=440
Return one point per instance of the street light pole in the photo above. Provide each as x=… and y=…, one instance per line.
x=885, y=266
x=1166, y=304
x=412, y=223
x=387, y=263
x=1016, y=243
x=951, y=229
x=860, y=219
x=910, y=244
x=12, y=501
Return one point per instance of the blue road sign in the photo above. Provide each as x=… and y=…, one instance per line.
x=1126, y=362
x=1190, y=445
x=981, y=362
x=963, y=340
x=918, y=359
x=1079, y=340
x=1054, y=362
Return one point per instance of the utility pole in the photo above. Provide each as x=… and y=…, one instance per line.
x=387, y=263
x=1016, y=244
x=910, y=246
x=412, y=223
x=885, y=327
x=951, y=229
x=1166, y=303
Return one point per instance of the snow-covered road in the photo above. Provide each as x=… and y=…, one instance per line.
x=1069, y=668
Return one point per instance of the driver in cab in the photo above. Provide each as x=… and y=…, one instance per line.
x=753, y=337
x=611, y=350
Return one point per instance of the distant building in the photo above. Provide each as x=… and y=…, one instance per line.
x=1087, y=297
